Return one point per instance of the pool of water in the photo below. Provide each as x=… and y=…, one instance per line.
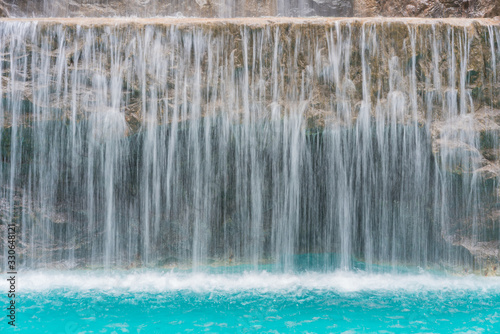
x=252, y=302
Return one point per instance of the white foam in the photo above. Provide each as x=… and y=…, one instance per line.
x=158, y=281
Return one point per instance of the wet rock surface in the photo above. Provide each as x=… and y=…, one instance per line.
x=250, y=8
x=438, y=8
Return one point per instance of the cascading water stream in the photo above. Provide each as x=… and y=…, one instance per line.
x=157, y=143
x=233, y=166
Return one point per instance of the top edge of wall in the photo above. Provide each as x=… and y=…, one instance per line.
x=250, y=8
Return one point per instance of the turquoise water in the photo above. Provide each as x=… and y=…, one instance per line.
x=260, y=302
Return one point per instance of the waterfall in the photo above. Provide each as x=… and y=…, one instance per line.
x=174, y=142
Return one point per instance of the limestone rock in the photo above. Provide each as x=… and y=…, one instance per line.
x=331, y=7
x=250, y=8
x=365, y=8
x=428, y=8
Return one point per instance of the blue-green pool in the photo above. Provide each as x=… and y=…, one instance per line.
x=252, y=302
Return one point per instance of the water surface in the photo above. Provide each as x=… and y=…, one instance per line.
x=176, y=302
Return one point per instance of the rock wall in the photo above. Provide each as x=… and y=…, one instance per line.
x=250, y=8
x=432, y=8
x=190, y=8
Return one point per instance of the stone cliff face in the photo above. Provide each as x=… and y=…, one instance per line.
x=190, y=8
x=430, y=8
x=250, y=8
